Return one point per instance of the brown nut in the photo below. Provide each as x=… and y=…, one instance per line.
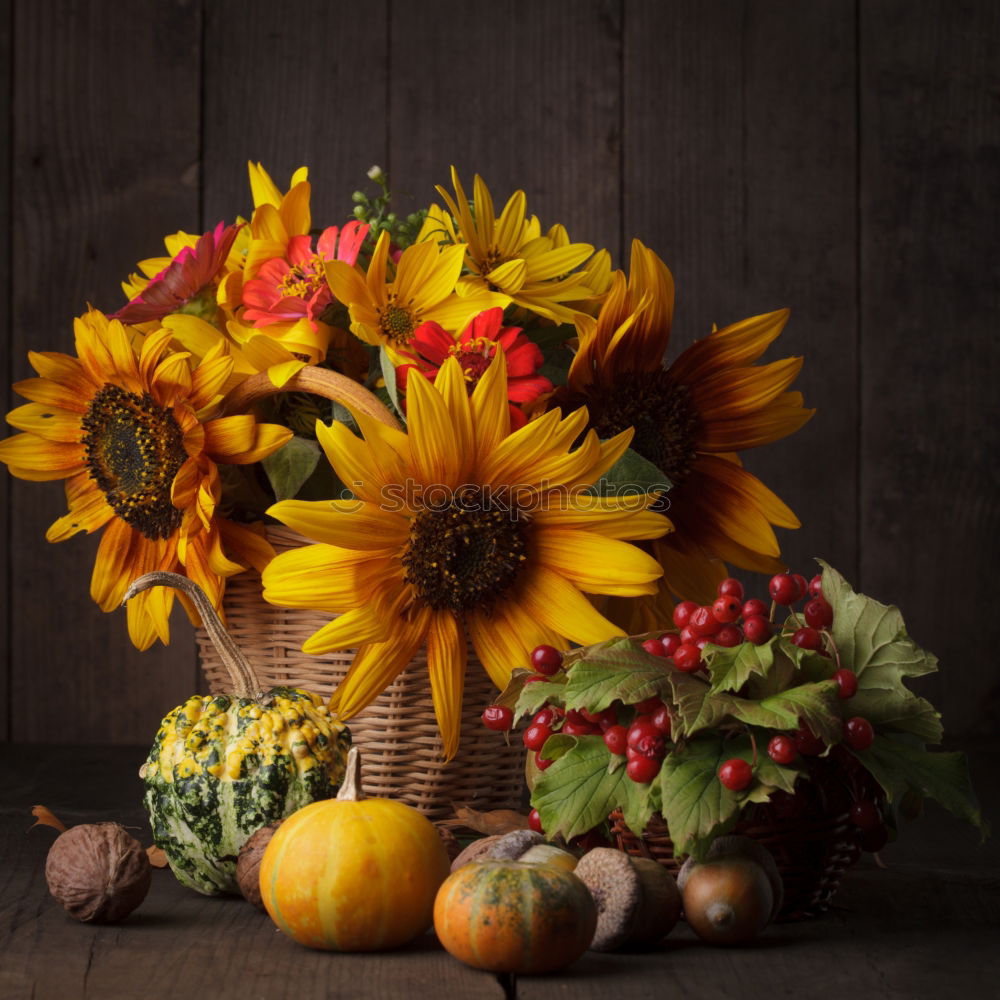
x=98, y=871
x=248, y=864
x=512, y=845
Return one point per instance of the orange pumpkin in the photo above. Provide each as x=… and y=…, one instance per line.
x=353, y=874
x=509, y=916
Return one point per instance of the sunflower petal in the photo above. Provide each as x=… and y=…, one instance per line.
x=594, y=563
x=558, y=605
x=447, y=652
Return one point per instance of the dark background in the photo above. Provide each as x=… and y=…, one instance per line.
x=840, y=158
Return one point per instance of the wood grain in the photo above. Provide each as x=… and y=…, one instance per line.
x=6, y=396
x=930, y=211
x=287, y=91
x=740, y=173
x=107, y=133
x=525, y=94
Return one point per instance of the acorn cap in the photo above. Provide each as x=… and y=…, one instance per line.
x=614, y=883
x=745, y=847
x=512, y=845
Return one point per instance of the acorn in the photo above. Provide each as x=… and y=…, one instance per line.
x=248, y=864
x=638, y=903
x=98, y=871
x=733, y=894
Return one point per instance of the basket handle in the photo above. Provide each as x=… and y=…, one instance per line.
x=320, y=382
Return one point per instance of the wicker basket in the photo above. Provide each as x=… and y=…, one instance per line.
x=810, y=835
x=397, y=733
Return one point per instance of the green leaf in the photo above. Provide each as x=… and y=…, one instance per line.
x=871, y=638
x=389, y=374
x=900, y=765
x=695, y=709
x=536, y=694
x=899, y=709
x=731, y=667
x=550, y=338
x=814, y=704
x=631, y=475
x=290, y=466
x=578, y=791
x=696, y=806
x=621, y=669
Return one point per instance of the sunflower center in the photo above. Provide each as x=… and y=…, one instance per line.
x=134, y=449
x=397, y=323
x=474, y=358
x=464, y=554
x=660, y=410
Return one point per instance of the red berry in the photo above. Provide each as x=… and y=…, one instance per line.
x=645, y=738
x=783, y=589
x=535, y=736
x=648, y=705
x=546, y=660
x=818, y=613
x=801, y=586
x=755, y=606
x=781, y=749
x=757, y=629
x=816, y=586
x=542, y=762
x=703, y=622
x=535, y=821
x=687, y=657
x=661, y=719
x=847, y=682
x=728, y=636
x=654, y=647
x=616, y=740
x=687, y=635
x=807, y=638
x=534, y=678
x=807, y=743
x=730, y=587
x=858, y=733
x=736, y=774
x=544, y=717
x=498, y=717
x=703, y=640
x=581, y=728
x=643, y=769
x=601, y=719
x=670, y=642
x=866, y=815
x=727, y=608
x=682, y=612
x=874, y=840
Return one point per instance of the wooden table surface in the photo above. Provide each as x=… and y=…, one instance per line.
x=927, y=925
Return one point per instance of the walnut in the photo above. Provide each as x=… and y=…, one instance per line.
x=98, y=871
x=248, y=863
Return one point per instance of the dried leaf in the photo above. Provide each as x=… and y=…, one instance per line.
x=156, y=857
x=494, y=821
x=44, y=817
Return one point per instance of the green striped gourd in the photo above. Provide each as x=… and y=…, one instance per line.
x=223, y=766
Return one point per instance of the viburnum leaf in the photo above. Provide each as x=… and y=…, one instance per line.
x=696, y=805
x=532, y=696
x=631, y=476
x=898, y=709
x=578, y=791
x=622, y=669
x=815, y=704
x=731, y=667
x=696, y=710
x=767, y=775
x=871, y=638
x=290, y=466
x=900, y=764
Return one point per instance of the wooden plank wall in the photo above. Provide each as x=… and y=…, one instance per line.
x=835, y=157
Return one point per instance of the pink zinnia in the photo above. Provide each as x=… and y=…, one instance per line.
x=183, y=279
x=294, y=287
x=475, y=348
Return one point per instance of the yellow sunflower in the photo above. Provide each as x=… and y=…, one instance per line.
x=387, y=310
x=128, y=428
x=511, y=255
x=690, y=420
x=460, y=530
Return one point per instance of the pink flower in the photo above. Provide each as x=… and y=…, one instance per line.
x=294, y=287
x=475, y=348
x=183, y=279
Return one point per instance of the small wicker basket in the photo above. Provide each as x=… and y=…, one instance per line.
x=397, y=734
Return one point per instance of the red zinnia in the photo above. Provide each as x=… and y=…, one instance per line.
x=294, y=287
x=183, y=279
x=475, y=348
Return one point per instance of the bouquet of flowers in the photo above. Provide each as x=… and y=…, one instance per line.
x=468, y=415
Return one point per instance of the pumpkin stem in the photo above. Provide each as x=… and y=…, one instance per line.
x=321, y=382
x=350, y=789
x=245, y=681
